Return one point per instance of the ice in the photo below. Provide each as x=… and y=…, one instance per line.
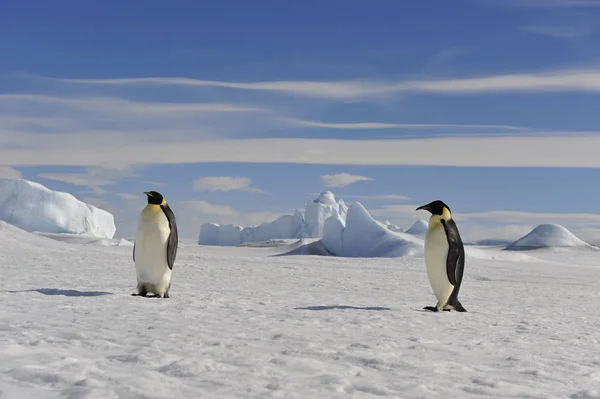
x=317, y=211
x=393, y=227
x=548, y=236
x=33, y=207
x=360, y=235
x=215, y=234
x=242, y=323
x=307, y=225
x=419, y=228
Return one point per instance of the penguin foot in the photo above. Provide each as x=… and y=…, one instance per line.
x=144, y=294
x=166, y=295
x=431, y=308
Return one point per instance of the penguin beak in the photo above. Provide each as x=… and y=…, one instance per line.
x=424, y=207
x=148, y=194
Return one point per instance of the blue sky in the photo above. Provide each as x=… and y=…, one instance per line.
x=238, y=111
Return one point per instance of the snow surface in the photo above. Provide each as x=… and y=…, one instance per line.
x=33, y=207
x=547, y=236
x=242, y=323
x=307, y=225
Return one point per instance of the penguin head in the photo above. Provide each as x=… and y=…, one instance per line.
x=155, y=198
x=436, y=207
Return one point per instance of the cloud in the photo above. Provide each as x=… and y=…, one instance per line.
x=540, y=81
x=225, y=183
x=544, y=3
x=324, y=89
x=386, y=197
x=558, y=151
x=380, y=125
x=198, y=212
x=342, y=179
x=129, y=197
x=497, y=216
x=561, y=32
x=94, y=177
x=6, y=172
x=210, y=209
x=118, y=105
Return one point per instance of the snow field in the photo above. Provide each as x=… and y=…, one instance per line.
x=242, y=323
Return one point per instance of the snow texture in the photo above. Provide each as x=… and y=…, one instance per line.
x=309, y=225
x=548, y=236
x=33, y=207
x=242, y=323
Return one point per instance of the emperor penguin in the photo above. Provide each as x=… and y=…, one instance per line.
x=444, y=257
x=155, y=247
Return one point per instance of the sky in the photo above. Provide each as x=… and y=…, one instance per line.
x=238, y=112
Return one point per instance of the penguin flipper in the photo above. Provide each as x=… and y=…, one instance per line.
x=172, y=241
x=456, y=253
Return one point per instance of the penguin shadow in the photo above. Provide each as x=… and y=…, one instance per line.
x=54, y=291
x=342, y=307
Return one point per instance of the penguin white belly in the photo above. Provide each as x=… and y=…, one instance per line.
x=151, y=249
x=436, y=252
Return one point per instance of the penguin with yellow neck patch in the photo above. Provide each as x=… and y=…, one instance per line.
x=444, y=257
x=155, y=247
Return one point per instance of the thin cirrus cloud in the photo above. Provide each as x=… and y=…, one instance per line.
x=497, y=216
x=127, y=106
x=575, y=150
x=561, y=32
x=225, y=183
x=342, y=179
x=582, y=80
x=381, y=125
x=543, y=3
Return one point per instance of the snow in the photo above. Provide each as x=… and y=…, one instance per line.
x=548, y=236
x=242, y=323
x=419, y=228
x=307, y=225
x=393, y=227
x=33, y=207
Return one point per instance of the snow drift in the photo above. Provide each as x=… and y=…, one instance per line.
x=548, y=236
x=33, y=207
x=361, y=236
x=14, y=237
x=296, y=226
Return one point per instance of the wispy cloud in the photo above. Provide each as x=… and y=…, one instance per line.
x=569, y=150
x=6, y=172
x=541, y=81
x=543, y=3
x=383, y=197
x=324, y=89
x=118, y=105
x=94, y=176
x=225, y=183
x=342, y=179
x=561, y=32
x=496, y=216
x=381, y=125
x=129, y=197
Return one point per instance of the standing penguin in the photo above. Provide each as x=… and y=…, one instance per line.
x=444, y=257
x=155, y=247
